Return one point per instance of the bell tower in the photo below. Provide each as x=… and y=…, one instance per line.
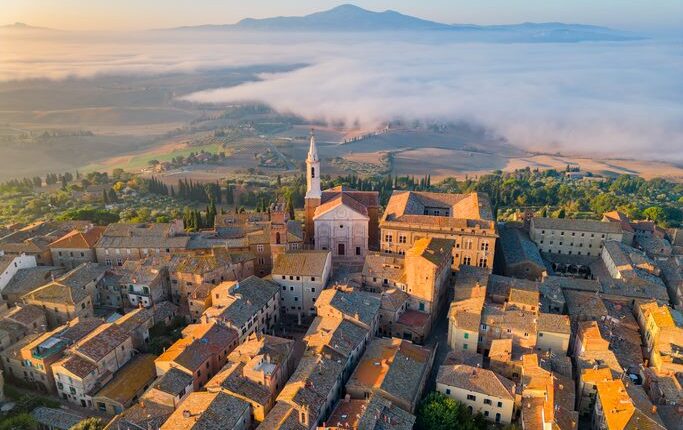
x=313, y=192
x=278, y=229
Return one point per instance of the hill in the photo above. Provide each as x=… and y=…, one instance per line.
x=350, y=18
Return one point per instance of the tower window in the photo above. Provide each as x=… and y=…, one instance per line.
x=312, y=172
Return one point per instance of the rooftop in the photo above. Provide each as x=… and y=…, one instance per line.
x=585, y=225
x=474, y=206
x=129, y=380
x=207, y=411
x=394, y=366
x=477, y=380
x=358, y=305
x=301, y=263
x=173, y=382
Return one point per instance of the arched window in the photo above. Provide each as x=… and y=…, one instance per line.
x=277, y=238
x=312, y=172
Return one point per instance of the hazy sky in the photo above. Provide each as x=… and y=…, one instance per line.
x=644, y=15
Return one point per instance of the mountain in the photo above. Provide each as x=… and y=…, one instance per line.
x=20, y=26
x=341, y=18
x=350, y=18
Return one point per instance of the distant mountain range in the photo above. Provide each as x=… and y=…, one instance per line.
x=350, y=18
x=20, y=26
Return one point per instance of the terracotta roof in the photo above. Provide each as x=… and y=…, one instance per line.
x=366, y=198
x=77, y=365
x=101, y=341
x=77, y=239
x=436, y=251
x=342, y=199
x=476, y=380
x=554, y=323
x=130, y=379
x=394, y=366
x=207, y=411
x=302, y=263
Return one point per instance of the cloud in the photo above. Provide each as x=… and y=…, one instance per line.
x=619, y=99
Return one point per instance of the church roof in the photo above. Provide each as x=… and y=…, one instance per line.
x=341, y=199
x=367, y=198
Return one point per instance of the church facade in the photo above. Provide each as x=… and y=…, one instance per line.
x=341, y=220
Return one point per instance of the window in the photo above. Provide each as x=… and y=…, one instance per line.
x=312, y=278
x=486, y=413
x=498, y=416
x=488, y=402
x=464, y=346
x=448, y=391
x=484, y=246
x=312, y=290
x=466, y=335
x=471, y=397
x=259, y=248
x=388, y=238
x=467, y=261
x=482, y=262
x=500, y=405
x=358, y=250
x=402, y=239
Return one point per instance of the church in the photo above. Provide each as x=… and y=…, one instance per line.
x=339, y=219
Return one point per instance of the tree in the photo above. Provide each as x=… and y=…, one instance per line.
x=290, y=206
x=440, y=412
x=92, y=423
x=23, y=421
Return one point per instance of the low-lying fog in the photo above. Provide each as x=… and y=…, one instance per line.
x=616, y=98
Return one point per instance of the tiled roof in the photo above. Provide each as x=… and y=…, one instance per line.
x=473, y=206
x=477, y=380
x=253, y=294
x=218, y=258
x=334, y=334
x=174, y=381
x=77, y=365
x=78, y=328
x=56, y=292
x=394, y=366
x=359, y=305
x=82, y=275
x=554, y=323
x=367, y=198
x=141, y=236
x=517, y=247
x=200, y=342
x=384, y=266
x=436, y=251
x=342, y=199
x=207, y=411
x=77, y=239
x=27, y=280
x=232, y=380
x=26, y=315
x=134, y=319
x=101, y=341
x=282, y=416
x=143, y=415
x=467, y=313
x=311, y=383
x=301, y=263
x=55, y=418
x=130, y=379
x=567, y=224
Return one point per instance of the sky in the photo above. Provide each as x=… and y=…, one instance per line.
x=637, y=15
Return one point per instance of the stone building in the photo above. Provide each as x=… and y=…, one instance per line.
x=467, y=219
